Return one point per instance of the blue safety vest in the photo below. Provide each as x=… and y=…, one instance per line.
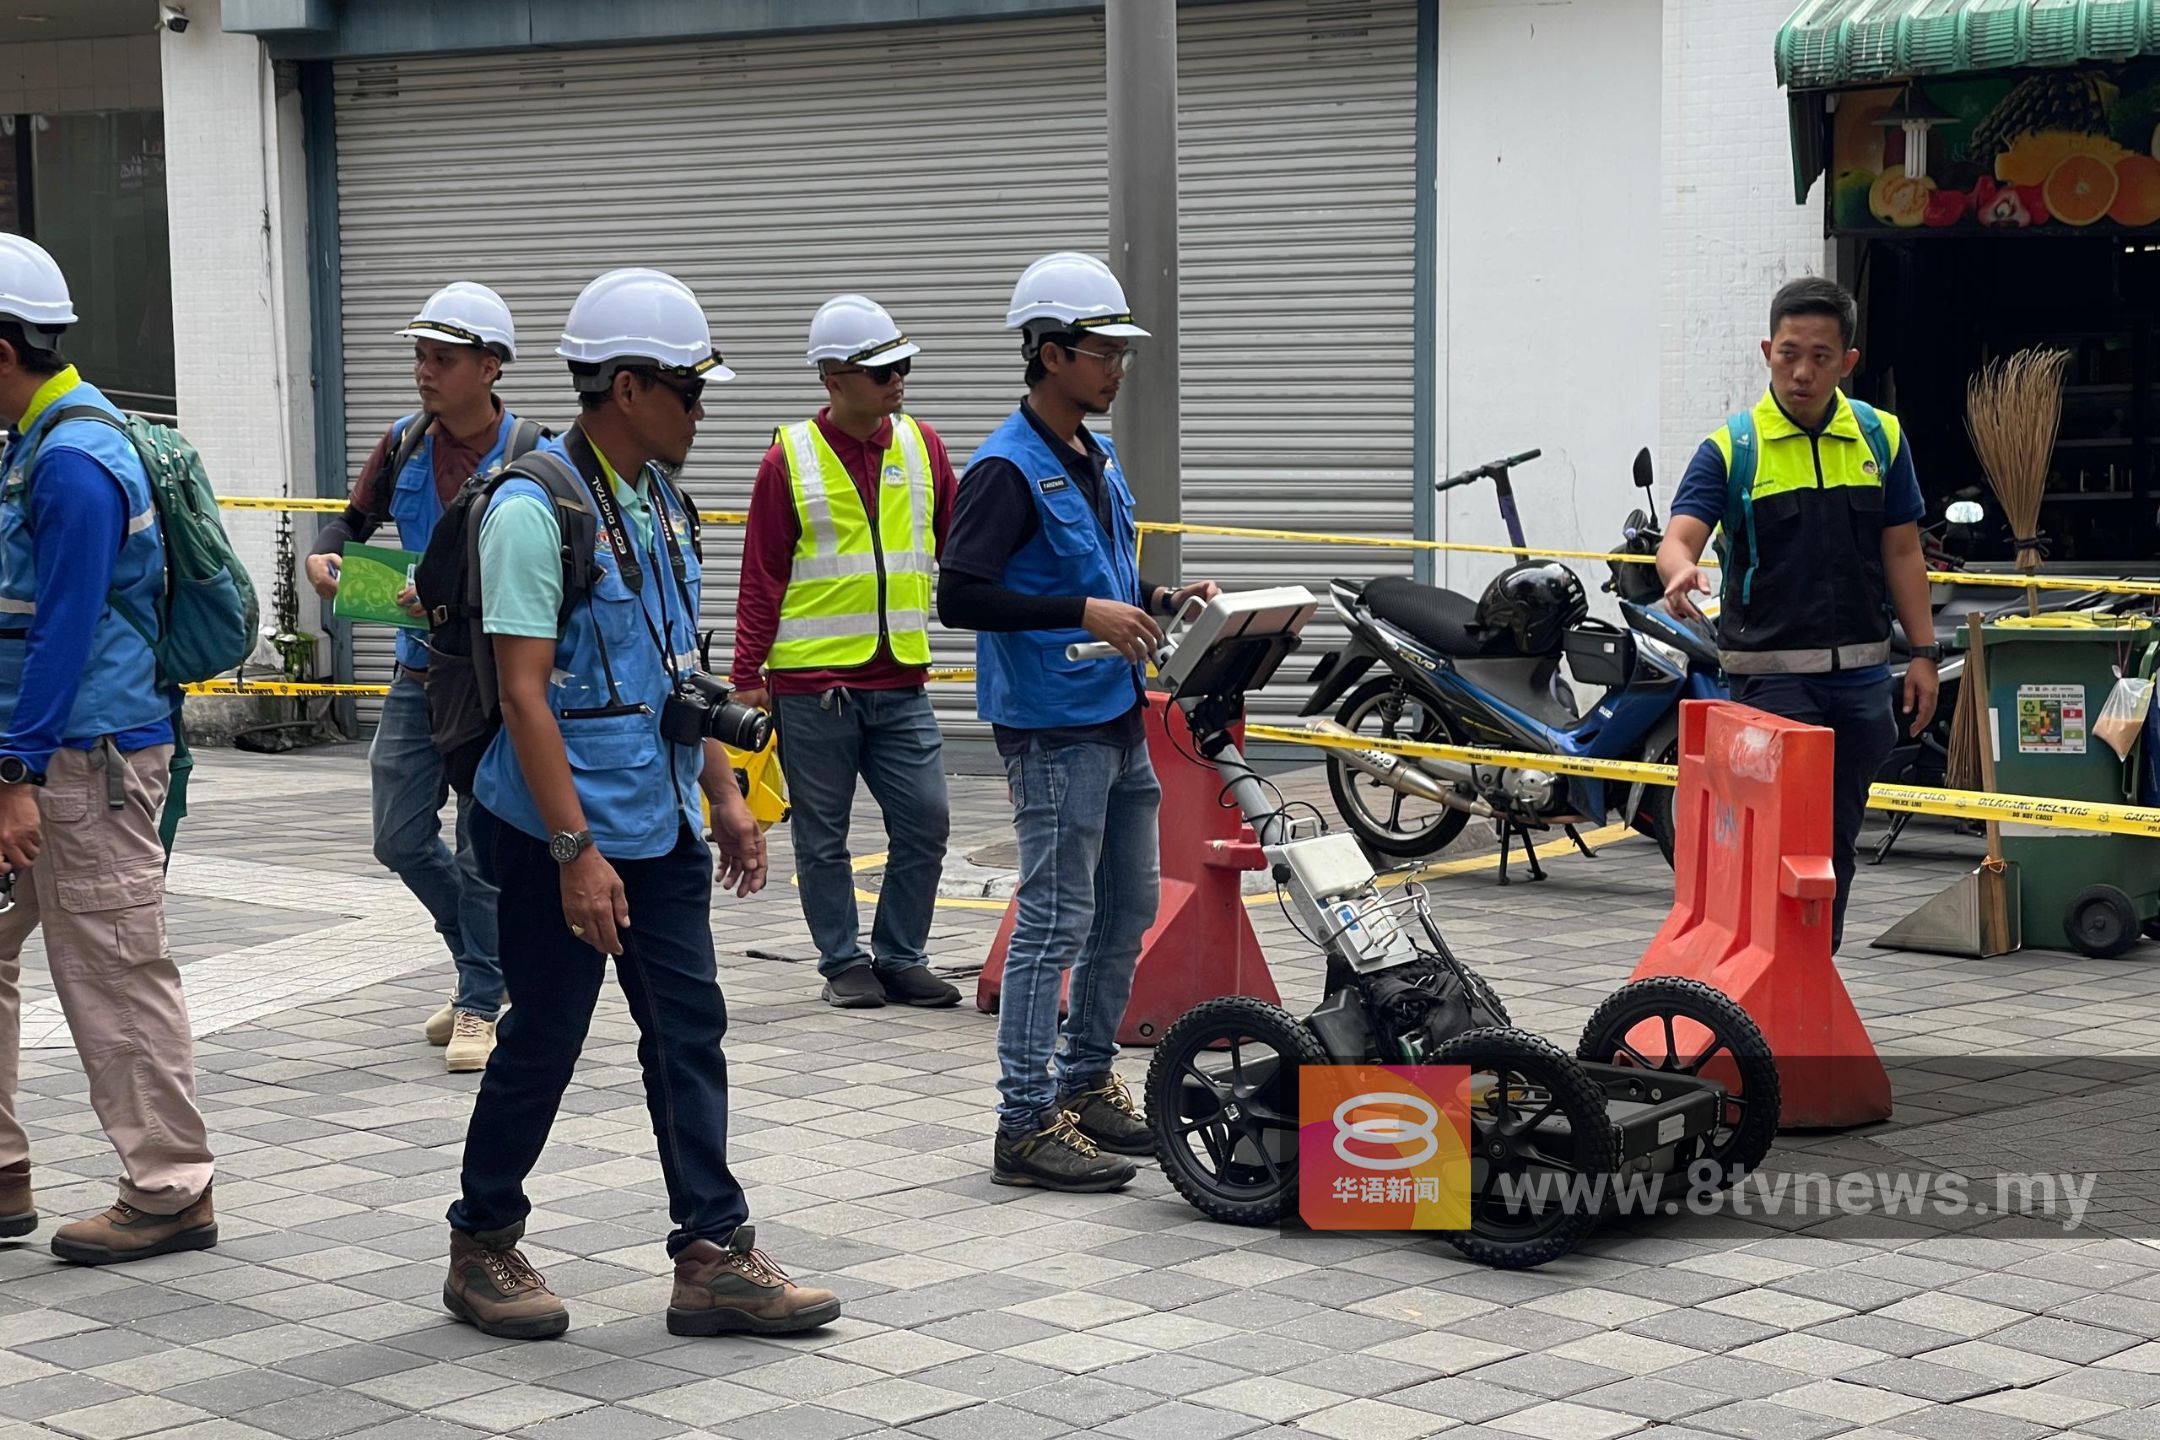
x=1023, y=679
x=416, y=505
x=637, y=789
x=119, y=685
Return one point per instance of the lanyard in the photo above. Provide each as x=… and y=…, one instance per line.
x=626, y=558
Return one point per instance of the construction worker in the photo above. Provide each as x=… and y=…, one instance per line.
x=1820, y=507
x=462, y=338
x=1043, y=554
x=588, y=821
x=832, y=633
x=86, y=736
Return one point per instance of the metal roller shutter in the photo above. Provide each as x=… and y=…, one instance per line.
x=738, y=166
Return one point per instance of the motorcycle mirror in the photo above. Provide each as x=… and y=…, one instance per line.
x=1642, y=468
x=1965, y=512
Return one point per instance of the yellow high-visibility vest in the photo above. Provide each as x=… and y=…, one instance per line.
x=851, y=581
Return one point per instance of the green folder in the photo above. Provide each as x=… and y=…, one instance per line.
x=370, y=579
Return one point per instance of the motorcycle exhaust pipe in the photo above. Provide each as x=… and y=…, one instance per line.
x=1401, y=774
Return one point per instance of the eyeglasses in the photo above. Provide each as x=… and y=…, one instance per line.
x=688, y=393
x=1117, y=362
x=880, y=374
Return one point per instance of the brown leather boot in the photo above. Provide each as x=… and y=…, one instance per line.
x=740, y=1288
x=18, y=1212
x=493, y=1287
x=125, y=1233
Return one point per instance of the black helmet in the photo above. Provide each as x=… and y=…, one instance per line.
x=1537, y=602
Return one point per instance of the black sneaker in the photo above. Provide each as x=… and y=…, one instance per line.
x=855, y=988
x=1057, y=1157
x=915, y=985
x=1110, y=1117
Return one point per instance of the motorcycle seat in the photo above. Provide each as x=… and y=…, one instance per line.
x=1440, y=618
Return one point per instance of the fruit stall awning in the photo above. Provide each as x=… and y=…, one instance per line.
x=1834, y=45
x=1830, y=44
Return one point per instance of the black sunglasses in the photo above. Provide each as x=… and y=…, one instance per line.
x=688, y=393
x=881, y=374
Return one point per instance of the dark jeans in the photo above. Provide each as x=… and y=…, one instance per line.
x=1865, y=723
x=667, y=974
x=890, y=739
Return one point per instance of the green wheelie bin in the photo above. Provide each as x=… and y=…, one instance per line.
x=2094, y=893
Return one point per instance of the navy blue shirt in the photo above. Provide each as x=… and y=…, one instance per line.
x=1702, y=496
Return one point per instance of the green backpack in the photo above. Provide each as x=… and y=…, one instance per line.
x=206, y=620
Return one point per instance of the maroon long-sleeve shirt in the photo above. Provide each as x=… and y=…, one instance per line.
x=769, y=552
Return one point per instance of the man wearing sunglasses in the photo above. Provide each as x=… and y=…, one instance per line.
x=832, y=622
x=1044, y=553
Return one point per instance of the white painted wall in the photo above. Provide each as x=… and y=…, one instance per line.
x=1549, y=264
x=1731, y=232
x=236, y=198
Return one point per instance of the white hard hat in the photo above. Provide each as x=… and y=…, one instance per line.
x=855, y=330
x=33, y=291
x=463, y=313
x=639, y=314
x=1076, y=290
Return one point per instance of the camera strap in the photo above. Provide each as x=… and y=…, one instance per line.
x=624, y=549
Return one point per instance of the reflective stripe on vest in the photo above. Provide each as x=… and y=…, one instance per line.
x=850, y=582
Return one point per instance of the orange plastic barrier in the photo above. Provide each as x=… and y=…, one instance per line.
x=1751, y=906
x=1202, y=944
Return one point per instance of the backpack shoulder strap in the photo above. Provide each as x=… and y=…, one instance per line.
x=573, y=512
x=524, y=435
x=1874, y=432
x=1741, y=457
x=406, y=445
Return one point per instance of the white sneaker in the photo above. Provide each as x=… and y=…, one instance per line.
x=441, y=1023
x=472, y=1040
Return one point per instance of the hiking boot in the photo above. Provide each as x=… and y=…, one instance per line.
x=125, y=1233
x=740, y=1288
x=1057, y=1157
x=855, y=988
x=442, y=1024
x=493, y=1288
x=472, y=1040
x=915, y=985
x=18, y=1212
x=1108, y=1115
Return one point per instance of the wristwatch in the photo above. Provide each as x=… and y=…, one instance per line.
x=567, y=845
x=15, y=771
x=1928, y=652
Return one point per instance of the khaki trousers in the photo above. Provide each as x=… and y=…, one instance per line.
x=98, y=888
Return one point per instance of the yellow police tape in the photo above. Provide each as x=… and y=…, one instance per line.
x=324, y=690
x=2082, y=584
x=2036, y=810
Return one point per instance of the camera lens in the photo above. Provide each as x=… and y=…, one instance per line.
x=740, y=726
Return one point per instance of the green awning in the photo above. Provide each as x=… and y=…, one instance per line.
x=1828, y=44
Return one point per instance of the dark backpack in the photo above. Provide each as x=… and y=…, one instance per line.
x=464, y=703
x=524, y=435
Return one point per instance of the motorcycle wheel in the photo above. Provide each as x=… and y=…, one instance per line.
x=1536, y=1118
x=1222, y=1101
x=1685, y=1027
x=1388, y=821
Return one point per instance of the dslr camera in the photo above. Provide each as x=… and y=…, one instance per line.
x=701, y=710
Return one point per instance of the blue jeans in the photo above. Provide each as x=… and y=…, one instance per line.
x=667, y=974
x=1089, y=881
x=890, y=738
x=409, y=790
x=1864, y=721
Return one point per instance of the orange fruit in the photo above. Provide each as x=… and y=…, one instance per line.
x=2137, y=196
x=2080, y=189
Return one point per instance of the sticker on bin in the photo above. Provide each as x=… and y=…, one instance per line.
x=2051, y=719
x=1384, y=1147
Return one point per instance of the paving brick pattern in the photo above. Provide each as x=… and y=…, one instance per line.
x=975, y=1311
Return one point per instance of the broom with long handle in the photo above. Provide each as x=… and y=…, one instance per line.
x=2012, y=408
x=1993, y=880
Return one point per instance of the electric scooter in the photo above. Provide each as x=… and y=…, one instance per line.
x=1453, y=676
x=1670, y=1077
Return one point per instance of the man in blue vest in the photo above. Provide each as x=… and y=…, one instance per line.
x=1043, y=553
x=85, y=741
x=588, y=821
x=462, y=338
x=1820, y=507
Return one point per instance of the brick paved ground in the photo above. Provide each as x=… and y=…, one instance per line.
x=978, y=1311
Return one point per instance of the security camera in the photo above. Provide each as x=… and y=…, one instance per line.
x=173, y=18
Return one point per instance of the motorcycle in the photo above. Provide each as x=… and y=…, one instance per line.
x=1487, y=674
